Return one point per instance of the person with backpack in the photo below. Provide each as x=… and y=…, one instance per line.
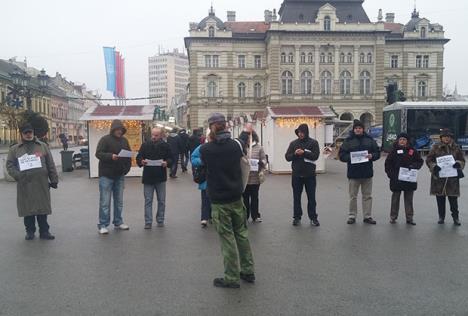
x=199, y=176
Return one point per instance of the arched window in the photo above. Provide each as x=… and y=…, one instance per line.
x=287, y=83
x=211, y=31
x=310, y=58
x=303, y=58
x=346, y=116
x=349, y=58
x=365, y=83
x=306, y=83
x=362, y=58
x=241, y=90
x=327, y=24
x=342, y=58
x=345, y=83
x=423, y=32
x=422, y=89
x=283, y=58
x=326, y=83
x=369, y=58
x=322, y=57
x=258, y=90
x=212, y=89
x=290, y=58
x=330, y=58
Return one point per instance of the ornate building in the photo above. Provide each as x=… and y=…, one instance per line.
x=320, y=53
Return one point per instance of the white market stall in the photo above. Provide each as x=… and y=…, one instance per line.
x=278, y=132
x=137, y=120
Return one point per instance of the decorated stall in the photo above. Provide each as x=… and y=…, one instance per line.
x=138, y=121
x=278, y=131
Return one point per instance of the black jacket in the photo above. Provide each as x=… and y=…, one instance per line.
x=109, y=145
x=401, y=157
x=174, y=142
x=302, y=166
x=194, y=142
x=359, y=143
x=223, y=171
x=154, y=151
x=183, y=141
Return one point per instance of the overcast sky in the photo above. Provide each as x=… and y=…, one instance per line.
x=68, y=36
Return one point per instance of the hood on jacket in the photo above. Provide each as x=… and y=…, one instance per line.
x=303, y=128
x=117, y=124
x=223, y=136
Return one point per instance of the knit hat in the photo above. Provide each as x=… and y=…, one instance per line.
x=446, y=132
x=26, y=128
x=358, y=123
x=404, y=135
x=216, y=118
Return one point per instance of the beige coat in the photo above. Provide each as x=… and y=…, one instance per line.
x=33, y=193
x=257, y=153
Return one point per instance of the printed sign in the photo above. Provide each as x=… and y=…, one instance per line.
x=154, y=163
x=28, y=162
x=359, y=157
x=408, y=175
x=254, y=165
x=446, y=165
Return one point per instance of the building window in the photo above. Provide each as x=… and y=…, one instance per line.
x=349, y=58
x=330, y=58
x=365, y=83
x=345, y=83
x=258, y=61
x=287, y=83
x=327, y=24
x=342, y=58
x=290, y=58
x=362, y=58
x=211, y=61
x=208, y=61
x=310, y=58
x=257, y=90
x=418, y=61
x=326, y=83
x=394, y=61
x=422, y=89
x=306, y=83
x=322, y=58
x=283, y=58
x=241, y=90
x=241, y=61
x=215, y=61
x=369, y=58
x=423, y=32
x=212, y=89
x=211, y=31
x=303, y=58
x=426, y=61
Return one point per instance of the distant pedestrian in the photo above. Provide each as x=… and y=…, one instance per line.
x=359, y=151
x=64, y=141
x=194, y=141
x=222, y=158
x=200, y=170
x=443, y=187
x=302, y=153
x=403, y=155
x=174, y=142
x=33, y=181
x=184, y=149
x=257, y=157
x=112, y=171
x=154, y=156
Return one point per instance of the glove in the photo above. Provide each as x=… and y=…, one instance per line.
x=437, y=169
x=53, y=185
x=457, y=165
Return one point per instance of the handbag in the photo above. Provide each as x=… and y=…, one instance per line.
x=245, y=166
x=199, y=174
x=461, y=175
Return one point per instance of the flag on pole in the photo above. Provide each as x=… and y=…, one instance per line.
x=109, y=58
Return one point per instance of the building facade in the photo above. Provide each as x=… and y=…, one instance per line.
x=168, y=79
x=315, y=53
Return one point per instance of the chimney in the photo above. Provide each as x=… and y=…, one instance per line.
x=231, y=16
x=275, y=17
x=268, y=16
x=390, y=18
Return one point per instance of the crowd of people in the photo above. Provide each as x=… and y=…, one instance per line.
x=229, y=173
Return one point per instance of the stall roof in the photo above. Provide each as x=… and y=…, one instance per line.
x=300, y=111
x=129, y=112
x=426, y=105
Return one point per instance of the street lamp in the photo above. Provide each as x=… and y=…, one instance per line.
x=21, y=83
x=43, y=79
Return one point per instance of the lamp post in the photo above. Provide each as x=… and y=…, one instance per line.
x=22, y=88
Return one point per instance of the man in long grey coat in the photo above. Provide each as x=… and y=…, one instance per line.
x=31, y=164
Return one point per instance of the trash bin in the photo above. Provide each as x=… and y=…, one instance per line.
x=67, y=160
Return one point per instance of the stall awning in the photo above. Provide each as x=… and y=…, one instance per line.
x=131, y=112
x=300, y=111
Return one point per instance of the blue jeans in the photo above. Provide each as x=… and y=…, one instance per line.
x=109, y=188
x=160, y=189
x=205, y=206
x=298, y=185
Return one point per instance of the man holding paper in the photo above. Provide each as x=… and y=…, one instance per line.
x=401, y=167
x=446, y=162
x=114, y=154
x=154, y=156
x=31, y=164
x=359, y=151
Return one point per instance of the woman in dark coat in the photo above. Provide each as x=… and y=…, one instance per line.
x=402, y=156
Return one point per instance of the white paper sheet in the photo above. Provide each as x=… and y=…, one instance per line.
x=125, y=154
x=254, y=165
x=446, y=165
x=408, y=175
x=28, y=162
x=154, y=163
x=359, y=157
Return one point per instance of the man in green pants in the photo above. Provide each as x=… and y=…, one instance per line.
x=222, y=157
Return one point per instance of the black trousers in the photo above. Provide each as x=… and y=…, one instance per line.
x=175, y=165
x=30, y=224
x=310, y=184
x=184, y=160
x=251, y=200
x=441, y=205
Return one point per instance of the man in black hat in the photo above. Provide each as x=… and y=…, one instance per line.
x=359, y=151
x=303, y=152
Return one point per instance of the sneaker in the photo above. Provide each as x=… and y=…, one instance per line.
x=392, y=221
x=370, y=221
x=148, y=226
x=219, y=282
x=315, y=222
x=456, y=222
x=249, y=278
x=411, y=222
x=259, y=220
x=204, y=224
x=296, y=222
x=29, y=236
x=351, y=221
x=441, y=221
x=47, y=236
x=122, y=227
x=160, y=225
x=103, y=231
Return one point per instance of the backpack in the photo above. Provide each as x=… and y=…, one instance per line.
x=199, y=174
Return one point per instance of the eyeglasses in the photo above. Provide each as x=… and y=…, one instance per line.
x=27, y=132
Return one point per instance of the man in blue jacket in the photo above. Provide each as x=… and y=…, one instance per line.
x=359, y=151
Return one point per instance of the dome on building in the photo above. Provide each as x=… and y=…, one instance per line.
x=211, y=16
x=413, y=23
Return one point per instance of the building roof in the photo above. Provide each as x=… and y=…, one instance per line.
x=350, y=11
x=300, y=111
x=219, y=23
x=248, y=27
x=6, y=68
x=427, y=105
x=107, y=113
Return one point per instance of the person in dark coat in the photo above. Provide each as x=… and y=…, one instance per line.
x=360, y=174
x=184, y=149
x=303, y=152
x=64, y=141
x=446, y=187
x=403, y=155
x=154, y=177
x=174, y=143
x=112, y=171
x=194, y=141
